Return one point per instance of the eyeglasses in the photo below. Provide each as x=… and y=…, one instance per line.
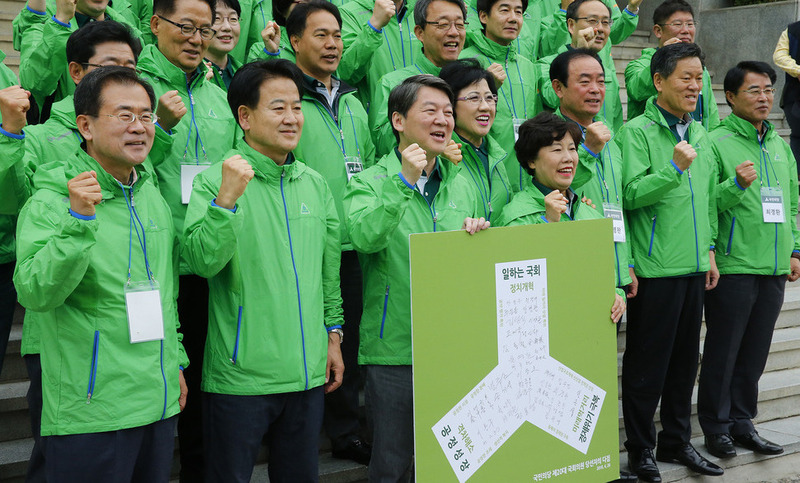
x=475, y=99
x=594, y=21
x=188, y=30
x=89, y=64
x=445, y=25
x=677, y=25
x=233, y=20
x=128, y=117
x=755, y=91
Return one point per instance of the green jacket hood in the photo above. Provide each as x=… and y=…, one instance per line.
x=264, y=167
x=154, y=63
x=746, y=128
x=63, y=111
x=492, y=50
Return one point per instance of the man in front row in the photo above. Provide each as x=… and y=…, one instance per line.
x=111, y=358
x=410, y=190
x=262, y=227
x=669, y=179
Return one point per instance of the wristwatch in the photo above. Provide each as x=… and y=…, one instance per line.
x=338, y=331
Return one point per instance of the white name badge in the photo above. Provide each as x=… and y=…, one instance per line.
x=188, y=172
x=517, y=123
x=145, y=318
x=614, y=211
x=772, y=205
x=353, y=166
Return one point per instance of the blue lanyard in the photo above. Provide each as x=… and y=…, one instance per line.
x=483, y=190
x=765, y=157
x=197, y=138
x=135, y=227
x=402, y=44
x=338, y=126
x=512, y=106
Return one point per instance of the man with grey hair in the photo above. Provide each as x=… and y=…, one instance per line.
x=383, y=206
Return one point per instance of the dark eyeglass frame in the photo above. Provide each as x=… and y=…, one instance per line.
x=188, y=30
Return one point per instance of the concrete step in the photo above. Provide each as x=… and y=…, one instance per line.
x=14, y=419
x=746, y=466
x=13, y=364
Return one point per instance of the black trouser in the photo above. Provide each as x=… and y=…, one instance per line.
x=193, y=315
x=660, y=361
x=8, y=302
x=792, y=112
x=341, y=406
x=141, y=454
x=36, y=472
x=740, y=317
x=234, y=427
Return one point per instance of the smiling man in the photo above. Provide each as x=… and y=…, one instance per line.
x=116, y=420
x=336, y=142
x=673, y=22
x=441, y=28
x=669, y=179
x=518, y=100
x=262, y=226
x=755, y=257
x=384, y=205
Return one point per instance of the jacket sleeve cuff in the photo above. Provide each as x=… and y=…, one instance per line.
x=544, y=219
x=333, y=327
x=34, y=11
x=59, y=22
x=373, y=27
x=675, y=166
x=273, y=54
x=232, y=210
x=736, y=182
x=630, y=265
x=11, y=134
x=82, y=217
x=629, y=12
x=595, y=155
x=405, y=182
x=160, y=127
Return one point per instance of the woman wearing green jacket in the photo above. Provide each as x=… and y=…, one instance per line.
x=547, y=149
x=483, y=158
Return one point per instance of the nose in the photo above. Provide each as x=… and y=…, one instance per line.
x=137, y=126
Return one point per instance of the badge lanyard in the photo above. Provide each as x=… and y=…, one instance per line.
x=134, y=226
x=771, y=197
x=353, y=164
x=197, y=140
x=483, y=190
x=402, y=43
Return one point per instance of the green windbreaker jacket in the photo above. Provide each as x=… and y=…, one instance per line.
x=745, y=244
x=7, y=222
x=273, y=275
x=672, y=216
x=382, y=211
x=494, y=190
x=73, y=272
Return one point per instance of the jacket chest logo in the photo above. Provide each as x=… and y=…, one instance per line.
x=211, y=113
x=452, y=205
x=304, y=209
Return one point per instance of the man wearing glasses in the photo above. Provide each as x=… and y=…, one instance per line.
x=99, y=271
x=589, y=23
x=202, y=136
x=673, y=22
x=441, y=28
x=758, y=247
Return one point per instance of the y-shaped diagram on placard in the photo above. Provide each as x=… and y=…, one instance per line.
x=526, y=385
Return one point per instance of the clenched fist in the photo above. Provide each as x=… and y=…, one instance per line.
x=271, y=35
x=413, y=160
x=84, y=193
x=236, y=173
x=382, y=12
x=746, y=174
x=585, y=37
x=452, y=152
x=498, y=72
x=170, y=110
x=14, y=104
x=554, y=205
x=597, y=135
x=683, y=155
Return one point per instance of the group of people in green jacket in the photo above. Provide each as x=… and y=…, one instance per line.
x=213, y=201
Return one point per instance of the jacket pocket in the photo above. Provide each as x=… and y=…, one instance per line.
x=730, y=237
x=385, y=304
x=652, y=236
x=93, y=370
x=235, y=354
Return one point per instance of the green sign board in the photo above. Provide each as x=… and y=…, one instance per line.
x=515, y=355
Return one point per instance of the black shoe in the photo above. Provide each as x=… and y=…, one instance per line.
x=642, y=464
x=720, y=445
x=689, y=457
x=757, y=444
x=355, y=450
x=625, y=476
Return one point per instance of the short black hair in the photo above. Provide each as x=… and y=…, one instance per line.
x=735, y=76
x=540, y=132
x=404, y=96
x=465, y=72
x=421, y=10
x=88, y=98
x=167, y=7
x=245, y=88
x=296, y=23
x=486, y=6
x=663, y=12
x=82, y=42
x=232, y=4
x=280, y=10
x=666, y=58
x=559, y=68
x=572, y=10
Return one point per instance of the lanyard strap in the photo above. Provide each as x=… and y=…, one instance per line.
x=140, y=236
x=197, y=138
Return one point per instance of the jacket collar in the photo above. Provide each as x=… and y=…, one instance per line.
x=426, y=66
x=153, y=62
x=494, y=51
x=496, y=153
x=266, y=168
x=745, y=128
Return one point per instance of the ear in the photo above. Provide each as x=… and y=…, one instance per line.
x=84, y=126
x=398, y=121
x=483, y=17
x=294, y=40
x=657, y=31
x=532, y=164
x=76, y=72
x=244, y=118
x=571, y=26
x=729, y=97
x=658, y=81
x=558, y=87
x=418, y=32
x=154, y=24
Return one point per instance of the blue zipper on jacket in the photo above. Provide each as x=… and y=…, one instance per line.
x=296, y=278
x=730, y=237
x=235, y=355
x=652, y=236
x=93, y=369
x=163, y=376
x=385, y=305
x=694, y=222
